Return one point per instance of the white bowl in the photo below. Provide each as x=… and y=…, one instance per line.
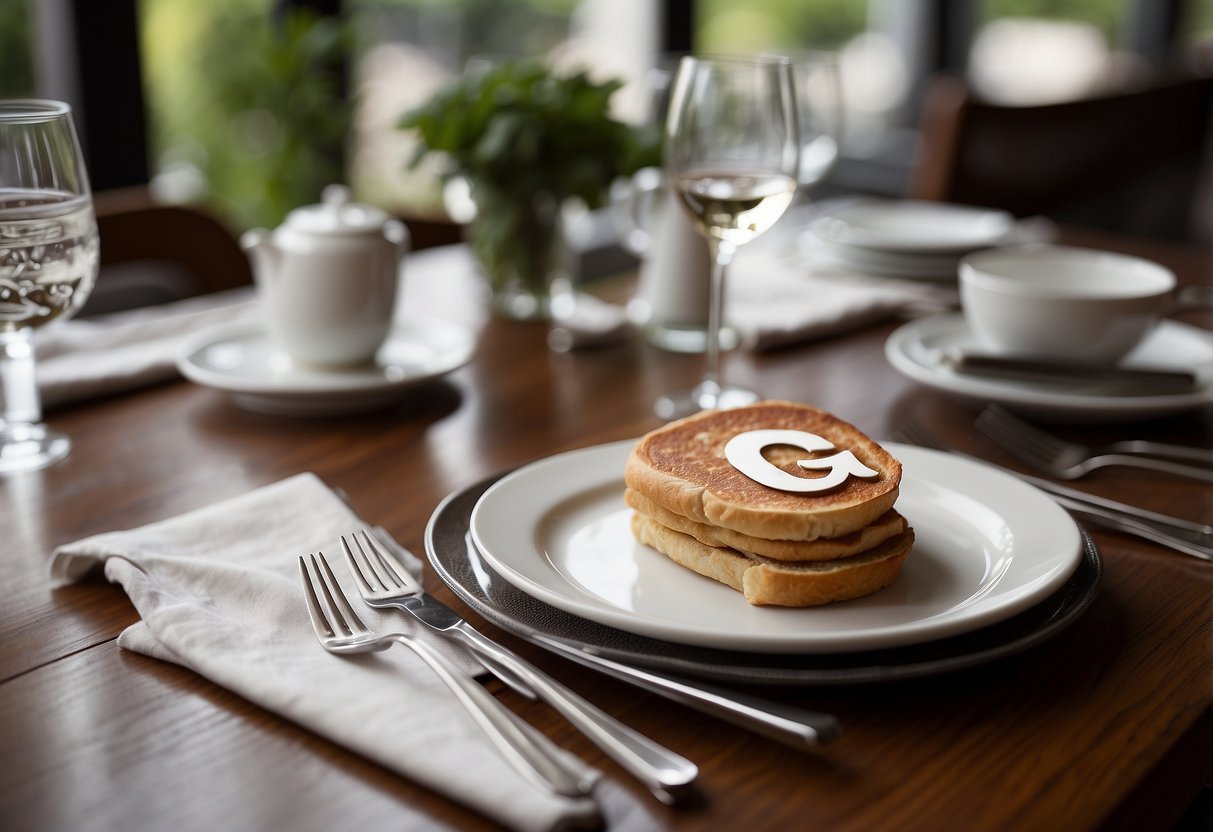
x=1061, y=303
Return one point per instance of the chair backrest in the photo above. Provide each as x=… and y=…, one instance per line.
x=154, y=253
x=1128, y=162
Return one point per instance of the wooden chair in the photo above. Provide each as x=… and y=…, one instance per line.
x=154, y=253
x=1127, y=162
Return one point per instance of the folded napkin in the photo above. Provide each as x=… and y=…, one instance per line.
x=86, y=357
x=775, y=298
x=218, y=591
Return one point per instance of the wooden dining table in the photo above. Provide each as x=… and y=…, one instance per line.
x=1107, y=724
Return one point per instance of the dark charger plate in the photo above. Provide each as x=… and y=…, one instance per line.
x=458, y=563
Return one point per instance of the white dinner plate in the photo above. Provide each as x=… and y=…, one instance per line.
x=933, y=267
x=243, y=362
x=920, y=349
x=911, y=227
x=987, y=547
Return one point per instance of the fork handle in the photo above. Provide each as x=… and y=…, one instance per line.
x=1180, y=540
x=1147, y=447
x=531, y=759
x=665, y=773
x=1151, y=464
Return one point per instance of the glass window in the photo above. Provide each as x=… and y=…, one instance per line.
x=248, y=115
x=410, y=48
x=16, y=60
x=1037, y=51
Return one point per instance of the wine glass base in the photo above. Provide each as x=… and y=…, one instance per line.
x=30, y=447
x=689, y=339
x=705, y=396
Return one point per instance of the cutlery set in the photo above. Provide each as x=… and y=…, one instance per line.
x=1065, y=460
x=383, y=582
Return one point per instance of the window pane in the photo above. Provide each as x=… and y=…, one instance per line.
x=16, y=60
x=408, y=49
x=1036, y=51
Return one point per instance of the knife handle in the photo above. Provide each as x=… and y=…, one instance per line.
x=788, y=724
x=665, y=773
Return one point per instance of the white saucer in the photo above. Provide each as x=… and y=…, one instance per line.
x=243, y=362
x=918, y=350
x=910, y=227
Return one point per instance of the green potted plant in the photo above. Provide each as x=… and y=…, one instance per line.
x=527, y=139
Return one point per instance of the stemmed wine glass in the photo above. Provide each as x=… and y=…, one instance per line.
x=48, y=263
x=817, y=77
x=732, y=154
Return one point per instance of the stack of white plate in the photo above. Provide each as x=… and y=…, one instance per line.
x=904, y=238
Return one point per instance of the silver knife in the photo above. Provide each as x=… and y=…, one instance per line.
x=1140, y=381
x=785, y=723
x=383, y=582
x=1176, y=533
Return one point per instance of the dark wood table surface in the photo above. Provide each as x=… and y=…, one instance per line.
x=1106, y=725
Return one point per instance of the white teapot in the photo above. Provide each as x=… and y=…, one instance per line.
x=328, y=278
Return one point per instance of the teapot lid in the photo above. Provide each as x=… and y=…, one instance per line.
x=337, y=215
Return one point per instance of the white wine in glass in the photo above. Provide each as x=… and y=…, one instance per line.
x=732, y=153
x=48, y=263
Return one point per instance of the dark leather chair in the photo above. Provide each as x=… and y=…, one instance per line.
x=155, y=253
x=1129, y=162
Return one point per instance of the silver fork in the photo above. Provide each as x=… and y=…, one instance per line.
x=1177, y=534
x=383, y=583
x=1069, y=460
x=340, y=631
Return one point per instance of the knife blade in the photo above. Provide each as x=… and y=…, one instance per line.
x=1137, y=380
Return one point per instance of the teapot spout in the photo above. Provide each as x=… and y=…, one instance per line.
x=263, y=253
x=396, y=233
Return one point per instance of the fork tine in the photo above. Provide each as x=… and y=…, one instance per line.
x=320, y=622
x=391, y=563
x=360, y=574
x=1018, y=437
x=343, y=613
x=389, y=575
x=381, y=578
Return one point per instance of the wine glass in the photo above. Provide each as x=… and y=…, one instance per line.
x=732, y=153
x=818, y=83
x=48, y=263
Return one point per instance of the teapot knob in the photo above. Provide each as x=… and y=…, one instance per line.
x=335, y=196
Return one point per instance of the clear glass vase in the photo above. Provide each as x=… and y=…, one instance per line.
x=523, y=254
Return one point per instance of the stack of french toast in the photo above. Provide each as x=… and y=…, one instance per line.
x=783, y=502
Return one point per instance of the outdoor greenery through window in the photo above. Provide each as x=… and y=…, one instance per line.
x=254, y=113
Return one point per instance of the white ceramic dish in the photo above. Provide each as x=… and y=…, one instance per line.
x=919, y=351
x=932, y=267
x=907, y=226
x=1045, y=302
x=242, y=362
x=988, y=546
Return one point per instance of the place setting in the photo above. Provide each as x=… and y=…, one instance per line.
x=549, y=552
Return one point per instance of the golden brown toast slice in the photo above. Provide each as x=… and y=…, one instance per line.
x=765, y=581
x=823, y=548
x=682, y=468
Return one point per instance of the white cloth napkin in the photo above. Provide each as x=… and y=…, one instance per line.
x=86, y=357
x=776, y=298
x=218, y=591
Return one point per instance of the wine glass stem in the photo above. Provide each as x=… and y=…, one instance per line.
x=19, y=402
x=722, y=254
